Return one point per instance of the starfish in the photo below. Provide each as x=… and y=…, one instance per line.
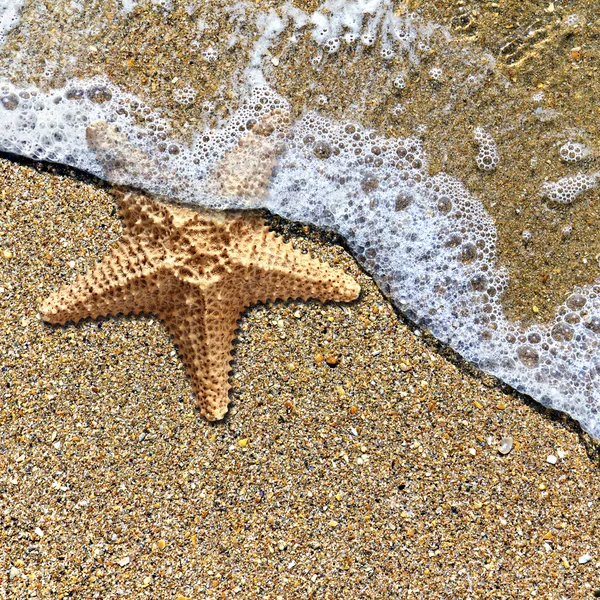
x=197, y=271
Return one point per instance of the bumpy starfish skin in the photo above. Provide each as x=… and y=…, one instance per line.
x=197, y=272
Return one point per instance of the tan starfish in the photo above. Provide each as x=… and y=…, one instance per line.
x=197, y=271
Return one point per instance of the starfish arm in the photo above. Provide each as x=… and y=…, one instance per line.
x=278, y=271
x=118, y=284
x=204, y=329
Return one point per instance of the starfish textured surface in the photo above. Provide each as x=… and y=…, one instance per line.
x=197, y=272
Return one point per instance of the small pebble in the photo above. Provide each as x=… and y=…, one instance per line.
x=551, y=459
x=506, y=445
x=124, y=561
x=584, y=559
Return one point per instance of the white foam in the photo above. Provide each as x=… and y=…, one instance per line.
x=185, y=95
x=573, y=152
x=426, y=240
x=566, y=189
x=357, y=23
x=487, y=158
x=9, y=16
x=128, y=5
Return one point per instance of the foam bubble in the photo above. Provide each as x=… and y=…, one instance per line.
x=128, y=5
x=359, y=23
x=399, y=82
x=210, y=54
x=185, y=95
x=487, y=159
x=436, y=74
x=566, y=189
x=573, y=152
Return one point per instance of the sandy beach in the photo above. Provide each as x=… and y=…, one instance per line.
x=378, y=477
x=360, y=459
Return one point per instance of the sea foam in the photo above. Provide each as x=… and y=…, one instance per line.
x=9, y=16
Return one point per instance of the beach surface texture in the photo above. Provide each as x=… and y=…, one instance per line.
x=443, y=157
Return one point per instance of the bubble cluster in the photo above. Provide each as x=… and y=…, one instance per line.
x=538, y=96
x=436, y=74
x=9, y=16
x=566, y=189
x=210, y=54
x=365, y=24
x=398, y=110
x=128, y=5
x=399, y=83
x=332, y=45
x=572, y=20
x=185, y=95
x=166, y=4
x=487, y=158
x=573, y=152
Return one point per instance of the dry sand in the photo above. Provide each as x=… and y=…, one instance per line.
x=378, y=477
